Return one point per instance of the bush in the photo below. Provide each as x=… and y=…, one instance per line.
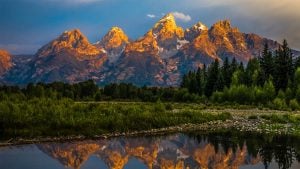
x=241, y=94
x=217, y=97
x=225, y=115
x=269, y=91
x=259, y=95
x=281, y=94
x=252, y=117
x=279, y=104
x=169, y=106
x=298, y=93
x=294, y=104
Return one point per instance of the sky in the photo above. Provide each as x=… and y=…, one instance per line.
x=27, y=25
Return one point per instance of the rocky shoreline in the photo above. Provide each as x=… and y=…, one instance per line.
x=237, y=123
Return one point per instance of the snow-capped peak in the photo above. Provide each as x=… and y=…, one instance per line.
x=200, y=26
x=168, y=19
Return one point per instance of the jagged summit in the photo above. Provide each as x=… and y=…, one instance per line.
x=167, y=19
x=69, y=40
x=166, y=28
x=167, y=34
x=145, y=44
x=115, y=28
x=199, y=26
x=73, y=37
x=159, y=58
x=115, y=38
x=224, y=25
x=194, y=31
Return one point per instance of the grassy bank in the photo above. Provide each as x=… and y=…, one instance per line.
x=46, y=117
x=49, y=117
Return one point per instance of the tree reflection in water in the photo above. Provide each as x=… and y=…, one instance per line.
x=284, y=150
x=228, y=150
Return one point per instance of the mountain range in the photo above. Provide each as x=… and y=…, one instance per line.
x=170, y=152
x=159, y=58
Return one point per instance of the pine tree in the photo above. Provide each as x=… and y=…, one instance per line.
x=283, y=67
x=297, y=63
x=199, y=81
x=267, y=63
x=233, y=66
x=297, y=78
x=204, y=75
x=226, y=72
x=193, y=84
x=242, y=72
x=220, y=83
x=185, y=81
x=296, y=87
x=241, y=67
x=236, y=78
x=212, y=79
x=269, y=90
x=251, y=74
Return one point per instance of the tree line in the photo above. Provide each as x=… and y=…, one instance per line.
x=272, y=79
x=89, y=91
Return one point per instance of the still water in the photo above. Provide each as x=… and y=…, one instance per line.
x=190, y=151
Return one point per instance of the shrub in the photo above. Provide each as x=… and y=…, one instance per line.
x=298, y=93
x=269, y=90
x=276, y=118
x=288, y=94
x=259, y=95
x=281, y=94
x=294, y=104
x=252, y=117
x=225, y=115
x=169, y=106
x=241, y=94
x=279, y=104
x=217, y=97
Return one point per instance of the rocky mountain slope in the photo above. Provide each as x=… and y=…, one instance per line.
x=5, y=61
x=114, y=43
x=69, y=58
x=159, y=58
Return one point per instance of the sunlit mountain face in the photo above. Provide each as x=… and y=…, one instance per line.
x=152, y=43
x=158, y=58
x=5, y=61
x=179, y=151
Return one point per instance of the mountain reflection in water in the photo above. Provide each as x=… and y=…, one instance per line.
x=190, y=151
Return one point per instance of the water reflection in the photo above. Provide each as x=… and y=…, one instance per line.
x=210, y=151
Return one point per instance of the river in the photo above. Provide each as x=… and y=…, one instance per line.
x=175, y=151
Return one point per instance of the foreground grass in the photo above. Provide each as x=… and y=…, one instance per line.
x=46, y=117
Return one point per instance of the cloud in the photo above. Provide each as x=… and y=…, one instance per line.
x=151, y=16
x=181, y=16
